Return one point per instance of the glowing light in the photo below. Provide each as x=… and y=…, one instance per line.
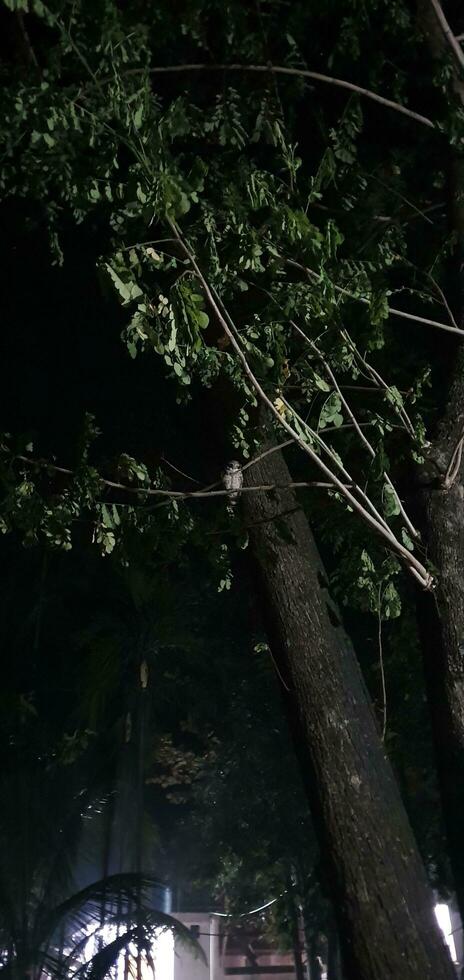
x=444, y=921
x=162, y=954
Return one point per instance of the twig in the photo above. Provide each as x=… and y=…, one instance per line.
x=391, y=309
x=315, y=436
x=366, y=442
x=366, y=502
x=381, y=665
x=276, y=668
x=181, y=494
x=455, y=462
x=29, y=52
x=298, y=73
x=416, y=567
x=358, y=429
x=443, y=298
x=180, y=472
x=376, y=377
x=267, y=452
x=450, y=38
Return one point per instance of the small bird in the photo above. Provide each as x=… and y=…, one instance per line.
x=232, y=479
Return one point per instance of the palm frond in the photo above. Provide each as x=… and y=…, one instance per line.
x=143, y=934
x=99, y=965
x=85, y=906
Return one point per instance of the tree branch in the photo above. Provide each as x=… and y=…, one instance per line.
x=381, y=666
x=29, y=53
x=179, y=494
x=296, y=72
x=451, y=40
x=455, y=462
x=417, y=569
x=391, y=309
x=368, y=445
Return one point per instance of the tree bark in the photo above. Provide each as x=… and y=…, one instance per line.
x=378, y=885
x=441, y=625
x=441, y=616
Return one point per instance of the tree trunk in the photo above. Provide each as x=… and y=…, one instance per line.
x=300, y=972
x=441, y=615
x=333, y=953
x=294, y=917
x=315, y=971
x=441, y=624
x=379, y=891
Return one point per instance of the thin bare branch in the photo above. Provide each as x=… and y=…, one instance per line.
x=443, y=299
x=180, y=494
x=416, y=567
x=391, y=309
x=451, y=40
x=335, y=460
x=454, y=464
x=28, y=50
x=179, y=472
x=315, y=436
x=268, y=452
x=382, y=667
x=368, y=445
x=298, y=73
x=379, y=381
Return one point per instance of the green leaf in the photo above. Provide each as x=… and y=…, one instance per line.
x=202, y=319
x=331, y=411
x=320, y=383
x=407, y=541
x=171, y=344
x=106, y=517
x=390, y=501
x=391, y=602
x=138, y=117
x=129, y=291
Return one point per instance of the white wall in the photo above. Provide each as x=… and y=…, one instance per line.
x=186, y=967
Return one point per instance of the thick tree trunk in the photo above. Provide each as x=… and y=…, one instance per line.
x=441, y=616
x=441, y=623
x=378, y=885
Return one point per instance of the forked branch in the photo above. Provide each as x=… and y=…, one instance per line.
x=415, y=566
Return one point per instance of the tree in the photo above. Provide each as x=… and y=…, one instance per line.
x=247, y=289
x=45, y=922
x=333, y=720
x=442, y=620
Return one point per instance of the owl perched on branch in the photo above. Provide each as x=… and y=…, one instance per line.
x=232, y=479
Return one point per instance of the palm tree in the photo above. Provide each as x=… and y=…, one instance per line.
x=62, y=794
x=45, y=923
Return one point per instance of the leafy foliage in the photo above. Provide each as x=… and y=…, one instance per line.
x=254, y=234
x=206, y=202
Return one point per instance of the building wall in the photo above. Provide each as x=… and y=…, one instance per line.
x=186, y=967
x=223, y=959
